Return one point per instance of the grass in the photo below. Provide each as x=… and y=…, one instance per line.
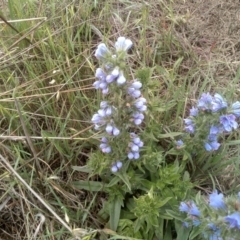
x=47, y=100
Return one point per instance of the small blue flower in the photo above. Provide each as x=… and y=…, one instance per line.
x=104, y=146
x=194, y=210
x=117, y=166
x=196, y=222
x=101, y=51
x=228, y=122
x=123, y=44
x=137, y=118
x=205, y=102
x=111, y=129
x=121, y=79
x=215, y=130
x=133, y=89
x=140, y=104
x=184, y=207
x=236, y=109
x=212, y=146
x=218, y=103
x=193, y=112
x=188, y=121
x=134, y=145
x=190, y=128
x=179, y=143
x=216, y=200
x=233, y=220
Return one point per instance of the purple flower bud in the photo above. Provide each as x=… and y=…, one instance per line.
x=134, y=147
x=130, y=155
x=114, y=169
x=105, y=91
x=101, y=51
x=115, y=131
x=193, y=112
x=104, y=140
x=119, y=164
x=143, y=108
x=115, y=72
x=103, y=104
x=100, y=74
x=110, y=78
x=108, y=111
x=123, y=44
x=236, y=109
x=188, y=121
x=179, y=143
x=103, y=85
x=102, y=113
x=121, y=79
x=136, y=85
x=96, y=84
x=109, y=129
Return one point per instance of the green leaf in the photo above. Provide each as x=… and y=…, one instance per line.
x=168, y=234
x=195, y=232
x=91, y=186
x=84, y=169
x=125, y=179
x=170, y=135
x=115, y=210
x=182, y=232
x=174, y=215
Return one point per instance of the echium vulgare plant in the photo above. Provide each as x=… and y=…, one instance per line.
x=211, y=118
x=214, y=217
x=122, y=109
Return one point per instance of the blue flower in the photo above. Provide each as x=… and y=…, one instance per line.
x=205, y=102
x=228, y=122
x=215, y=130
x=140, y=104
x=218, y=103
x=137, y=118
x=104, y=145
x=123, y=44
x=184, y=207
x=121, y=79
x=102, y=51
x=179, y=143
x=196, y=222
x=116, y=166
x=113, y=75
x=190, y=127
x=236, y=109
x=233, y=220
x=193, y=112
x=111, y=129
x=216, y=200
x=194, y=210
x=212, y=146
x=133, y=89
x=134, y=146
